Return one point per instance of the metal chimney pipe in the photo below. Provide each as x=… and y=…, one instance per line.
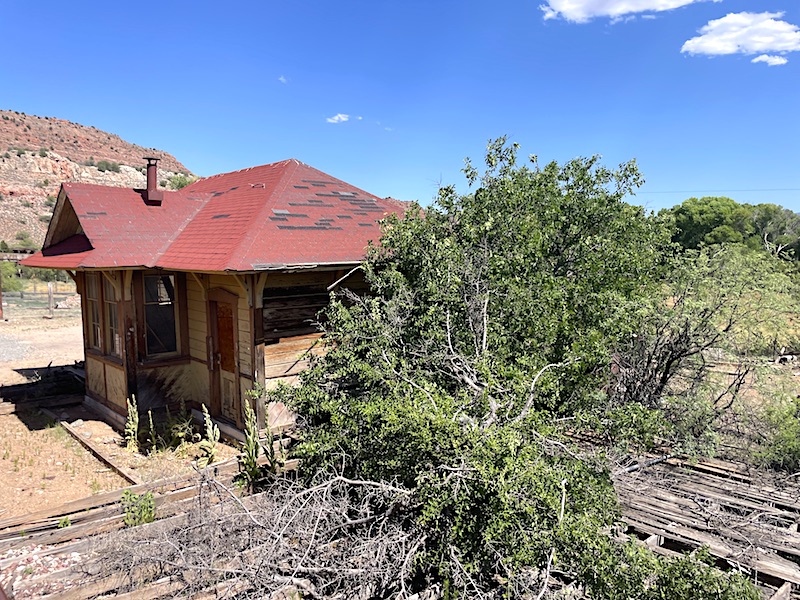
x=152, y=195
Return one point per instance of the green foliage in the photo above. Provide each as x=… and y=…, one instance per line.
x=154, y=446
x=493, y=315
x=180, y=428
x=64, y=522
x=179, y=181
x=131, y=432
x=716, y=220
x=250, y=472
x=781, y=447
x=718, y=300
x=138, y=509
x=43, y=152
x=208, y=445
x=3, y=246
x=43, y=274
x=45, y=218
x=106, y=165
x=613, y=571
x=23, y=240
x=8, y=274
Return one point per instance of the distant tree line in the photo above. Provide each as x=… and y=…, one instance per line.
x=714, y=220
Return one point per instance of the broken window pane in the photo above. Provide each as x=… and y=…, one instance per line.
x=159, y=314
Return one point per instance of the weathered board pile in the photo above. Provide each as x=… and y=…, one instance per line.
x=747, y=519
x=53, y=387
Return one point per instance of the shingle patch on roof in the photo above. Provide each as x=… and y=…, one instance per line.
x=227, y=222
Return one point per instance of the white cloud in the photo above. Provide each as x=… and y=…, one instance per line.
x=747, y=33
x=282, y=79
x=772, y=61
x=338, y=118
x=581, y=11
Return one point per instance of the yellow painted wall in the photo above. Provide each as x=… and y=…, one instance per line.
x=95, y=377
x=116, y=386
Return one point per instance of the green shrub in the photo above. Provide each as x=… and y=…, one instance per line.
x=106, y=165
x=131, y=433
x=42, y=152
x=179, y=181
x=138, y=509
x=781, y=448
x=208, y=446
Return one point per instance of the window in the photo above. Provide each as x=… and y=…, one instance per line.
x=159, y=314
x=113, y=340
x=93, y=326
x=102, y=315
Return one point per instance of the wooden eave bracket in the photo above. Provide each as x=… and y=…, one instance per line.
x=114, y=281
x=202, y=281
x=261, y=282
x=253, y=286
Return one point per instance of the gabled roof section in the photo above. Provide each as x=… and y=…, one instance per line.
x=282, y=215
x=120, y=228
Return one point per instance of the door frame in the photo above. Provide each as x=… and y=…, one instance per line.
x=222, y=296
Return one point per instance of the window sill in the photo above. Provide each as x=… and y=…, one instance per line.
x=105, y=358
x=164, y=361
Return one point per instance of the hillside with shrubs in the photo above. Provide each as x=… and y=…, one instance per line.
x=37, y=154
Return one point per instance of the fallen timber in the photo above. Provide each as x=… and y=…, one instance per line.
x=747, y=521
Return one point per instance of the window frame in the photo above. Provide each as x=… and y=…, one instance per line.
x=112, y=338
x=102, y=316
x=94, y=322
x=178, y=312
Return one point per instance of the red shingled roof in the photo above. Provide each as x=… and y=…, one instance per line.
x=286, y=214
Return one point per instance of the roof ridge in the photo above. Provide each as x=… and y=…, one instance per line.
x=228, y=173
x=250, y=239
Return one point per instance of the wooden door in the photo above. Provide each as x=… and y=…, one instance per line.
x=225, y=379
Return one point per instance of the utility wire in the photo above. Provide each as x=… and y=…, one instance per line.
x=718, y=191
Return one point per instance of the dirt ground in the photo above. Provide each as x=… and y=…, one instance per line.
x=41, y=464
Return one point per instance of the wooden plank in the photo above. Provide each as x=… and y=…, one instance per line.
x=767, y=564
x=226, y=467
x=783, y=593
x=123, y=472
x=669, y=509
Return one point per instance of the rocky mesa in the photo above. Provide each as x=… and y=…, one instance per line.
x=37, y=154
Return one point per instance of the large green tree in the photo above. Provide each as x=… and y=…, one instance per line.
x=493, y=318
x=713, y=220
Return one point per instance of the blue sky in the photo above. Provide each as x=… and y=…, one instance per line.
x=419, y=85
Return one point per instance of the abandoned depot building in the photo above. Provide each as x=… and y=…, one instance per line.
x=200, y=294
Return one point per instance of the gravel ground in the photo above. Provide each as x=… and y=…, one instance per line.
x=11, y=348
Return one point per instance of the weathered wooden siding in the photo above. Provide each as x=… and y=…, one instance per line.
x=198, y=320
x=116, y=386
x=95, y=377
x=106, y=383
x=160, y=386
x=289, y=356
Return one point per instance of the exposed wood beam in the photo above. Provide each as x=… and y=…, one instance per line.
x=114, y=281
x=202, y=281
x=261, y=282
